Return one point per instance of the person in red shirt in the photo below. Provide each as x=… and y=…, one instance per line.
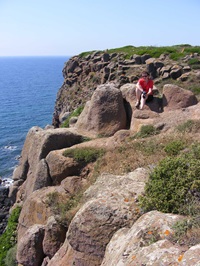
x=144, y=90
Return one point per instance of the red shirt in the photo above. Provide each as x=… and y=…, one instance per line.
x=146, y=86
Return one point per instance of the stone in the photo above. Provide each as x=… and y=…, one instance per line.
x=174, y=97
x=104, y=114
x=29, y=248
x=60, y=166
x=37, y=146
x=54, y=236
x=145, y=243
x=111, y=203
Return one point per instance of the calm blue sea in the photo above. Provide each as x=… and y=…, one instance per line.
x=28, y=89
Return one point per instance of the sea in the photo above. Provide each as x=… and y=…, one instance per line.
x=28, y=90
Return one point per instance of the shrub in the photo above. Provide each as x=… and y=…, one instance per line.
x=170, y=187
x=187, y=231
x=11, y=257
x=8, y=238
x=146, y=131
x=174, y=147
x=193, y=61
x=85, y=155
x=64, y=209
x=76, y=112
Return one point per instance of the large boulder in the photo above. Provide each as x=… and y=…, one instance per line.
x=29, y=248
x=54, y=236
x=37, y=205
x=147, y=242
x=32, y=166
x=60, y=166
x=111, y=203
x=105, y=113
x=174, y=97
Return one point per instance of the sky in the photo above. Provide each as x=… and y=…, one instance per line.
x=70, y=27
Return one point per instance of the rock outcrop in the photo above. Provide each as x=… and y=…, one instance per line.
x=105, y=114
x=107, y=226
x=82, y=75
x=147, y=242
x=32, y=172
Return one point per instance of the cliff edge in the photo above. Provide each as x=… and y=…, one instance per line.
x=79, y=187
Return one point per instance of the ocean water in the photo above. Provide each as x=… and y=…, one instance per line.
x=28, y=89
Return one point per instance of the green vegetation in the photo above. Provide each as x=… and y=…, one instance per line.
x=194, y=63
x=187, y=231
x=148, y=147
x=192, y=126
x=64, y=210
x=174, y=147
x=11, y=257
x=9, y=238
x=195, y=89
x=175, y=52
x=146, y=131
x=76, y=112
x=172, y=184
x=85, y=155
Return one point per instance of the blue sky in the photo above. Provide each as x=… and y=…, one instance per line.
x=63, y=27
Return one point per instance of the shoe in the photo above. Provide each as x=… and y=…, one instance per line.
x=137, y=104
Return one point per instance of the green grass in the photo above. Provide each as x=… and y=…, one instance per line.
x=193, y=61
x=9, y=238
x=85, y=155
x=174, y=147
x=175, y=52
x=76, y=112
x=146, y=131
x=187, y=231
x=65, y=210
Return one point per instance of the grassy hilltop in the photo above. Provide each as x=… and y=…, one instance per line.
x=176, y=51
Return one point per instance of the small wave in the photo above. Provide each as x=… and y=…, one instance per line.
x=10, y=148
x=6, y=182
x=18, y=157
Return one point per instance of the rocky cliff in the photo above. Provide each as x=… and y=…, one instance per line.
x=82, y=74
x=80, y=211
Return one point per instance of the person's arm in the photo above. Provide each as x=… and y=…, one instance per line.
x=138, y=85
x=150, y=89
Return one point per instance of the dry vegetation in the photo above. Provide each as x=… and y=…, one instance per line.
x=140, y=152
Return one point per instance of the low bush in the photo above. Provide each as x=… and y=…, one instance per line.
x=193, y=61
x=174, y=147
x=76, y=112
x=187, y=231
x=85, y=155
x=64, y=210
x=146, y=131
x=174, y=184
x=10, y=259
x=9, y=238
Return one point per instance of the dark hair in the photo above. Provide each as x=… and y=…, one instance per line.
x=145, y=73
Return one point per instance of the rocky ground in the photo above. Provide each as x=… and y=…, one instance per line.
x=87, y=214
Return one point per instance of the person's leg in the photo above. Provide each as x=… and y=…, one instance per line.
x=148, y=98
x=142, y=102
x=138, y=96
